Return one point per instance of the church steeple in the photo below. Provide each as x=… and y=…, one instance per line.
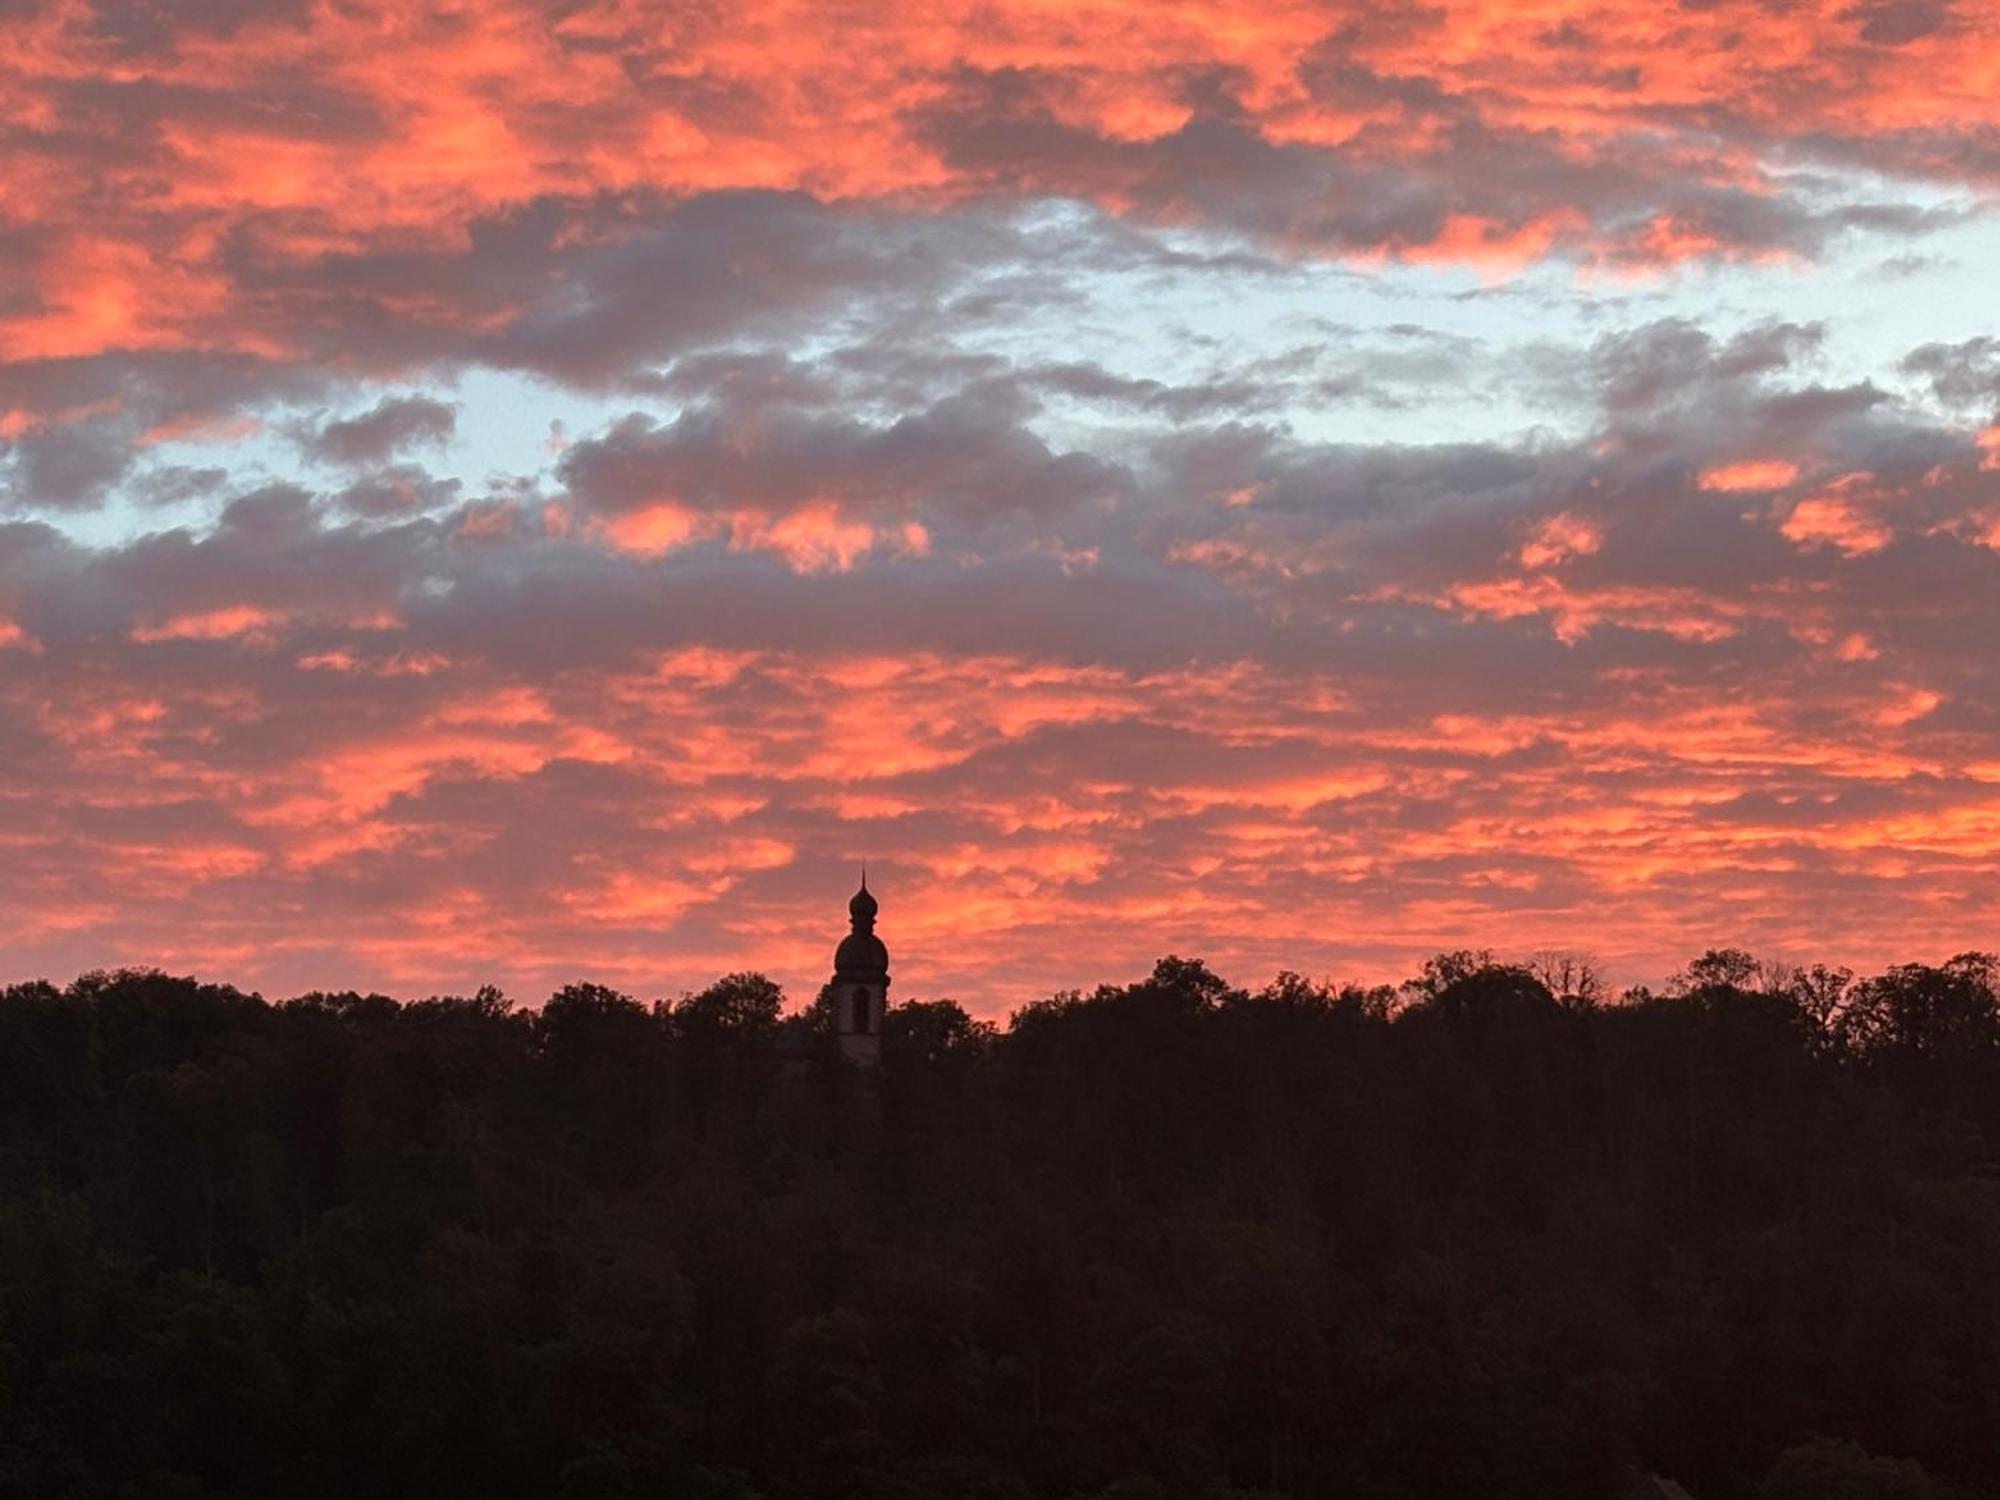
x=861, y=980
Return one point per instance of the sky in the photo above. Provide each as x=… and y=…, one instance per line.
x=534, y=490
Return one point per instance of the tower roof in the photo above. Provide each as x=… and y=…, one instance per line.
x=862, y=957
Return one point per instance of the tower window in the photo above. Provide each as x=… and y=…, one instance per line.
x=863, y=1015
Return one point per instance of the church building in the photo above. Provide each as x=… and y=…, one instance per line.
x=860, y=986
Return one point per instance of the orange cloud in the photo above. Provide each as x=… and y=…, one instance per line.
x=1751, y=474
x=816, y=537
x=247, y=621
x=1560, y=538
x=400, y=126
x=654, y=529
x=813, y=538
x=1018, y=809
x=1327, y=707
x=1831, y=520
x=1685, y=614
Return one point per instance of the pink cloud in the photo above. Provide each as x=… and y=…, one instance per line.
x=1832, y=520
x=1093, y=663
x=1750, y=474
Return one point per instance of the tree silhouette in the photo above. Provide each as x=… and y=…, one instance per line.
x=1491, y=1232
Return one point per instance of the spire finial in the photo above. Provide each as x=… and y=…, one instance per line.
x=862, y=907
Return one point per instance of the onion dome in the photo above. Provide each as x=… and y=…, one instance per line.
x=862, y=957
x=861, y=906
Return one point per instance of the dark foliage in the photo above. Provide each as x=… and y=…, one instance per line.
x=1478, y=1237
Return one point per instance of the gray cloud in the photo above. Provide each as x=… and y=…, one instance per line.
x=965, y=458
x=1964, y=375
x=393, y=424
x=90, y=419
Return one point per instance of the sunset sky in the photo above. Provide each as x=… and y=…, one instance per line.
x=521, y=492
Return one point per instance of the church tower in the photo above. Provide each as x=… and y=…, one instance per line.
x=860, y=982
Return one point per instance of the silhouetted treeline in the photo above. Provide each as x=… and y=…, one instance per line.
x=1488, y=1235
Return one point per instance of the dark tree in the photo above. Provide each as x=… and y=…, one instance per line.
x=1493, y=1232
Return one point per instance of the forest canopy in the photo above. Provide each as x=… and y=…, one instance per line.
x=1493, y=1232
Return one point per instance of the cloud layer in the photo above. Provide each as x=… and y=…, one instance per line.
x=895, y=527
